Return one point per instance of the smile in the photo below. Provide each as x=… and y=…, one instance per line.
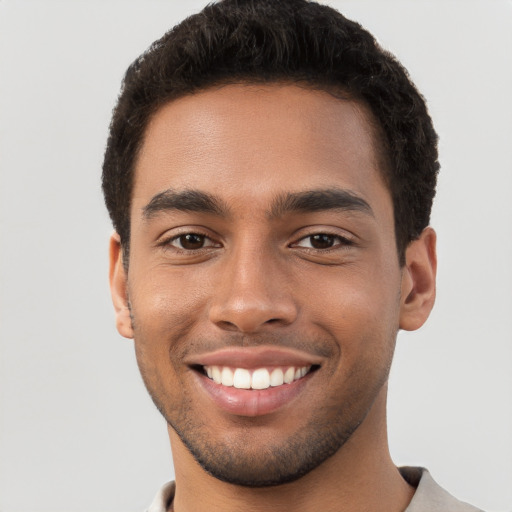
x=258, y=378
x=253, y=381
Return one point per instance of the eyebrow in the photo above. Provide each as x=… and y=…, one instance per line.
x=304, y=202
x=185, y=201
x=319, y=200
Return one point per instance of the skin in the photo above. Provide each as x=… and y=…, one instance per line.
x=261, y=281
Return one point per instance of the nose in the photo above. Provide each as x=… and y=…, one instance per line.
x=253, y=293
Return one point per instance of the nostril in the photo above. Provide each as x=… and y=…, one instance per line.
x=227, y=326
x=251, y=314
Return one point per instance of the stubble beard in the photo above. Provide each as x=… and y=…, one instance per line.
x=239, y=462
x=265, y=466
x=273, y=464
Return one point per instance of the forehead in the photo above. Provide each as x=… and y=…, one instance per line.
x=243, y=140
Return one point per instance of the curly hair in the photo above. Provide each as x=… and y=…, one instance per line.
x=293, y=41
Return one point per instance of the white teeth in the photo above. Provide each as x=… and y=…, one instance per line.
x=242, y=379
x=226, y=376
x=260, y=378
x=277, y=377
x=289, y=375
x=216, y=374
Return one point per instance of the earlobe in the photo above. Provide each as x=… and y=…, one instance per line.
x=418, y=291
x=119, y=288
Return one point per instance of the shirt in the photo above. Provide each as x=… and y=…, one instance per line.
x=429, y=496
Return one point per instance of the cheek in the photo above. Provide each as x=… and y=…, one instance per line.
x=164, y=297
x=360, y=312
x=363, y=322
x=352, y=298
x=166, y=309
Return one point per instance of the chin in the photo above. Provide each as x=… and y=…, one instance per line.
x=248, y=460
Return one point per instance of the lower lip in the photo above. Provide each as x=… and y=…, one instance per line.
x=251, y=402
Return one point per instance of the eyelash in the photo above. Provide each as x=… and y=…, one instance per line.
x=168, y=242
x=339, y=242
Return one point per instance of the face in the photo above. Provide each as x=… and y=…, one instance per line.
x=263, y=280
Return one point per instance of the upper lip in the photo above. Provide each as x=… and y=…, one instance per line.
x=255, y=357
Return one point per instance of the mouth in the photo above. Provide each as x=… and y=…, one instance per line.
x=253, y=381
x=257, y=378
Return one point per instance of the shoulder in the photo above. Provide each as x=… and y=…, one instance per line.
x=163, y=498
x=430, y=496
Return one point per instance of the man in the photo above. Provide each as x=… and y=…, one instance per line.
x=270, y=173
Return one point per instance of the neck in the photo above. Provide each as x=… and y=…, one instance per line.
x=360, y=476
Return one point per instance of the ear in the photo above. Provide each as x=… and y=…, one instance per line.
x=119, y=288
x=418, y=281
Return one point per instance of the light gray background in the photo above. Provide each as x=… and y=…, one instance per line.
x=77, y=430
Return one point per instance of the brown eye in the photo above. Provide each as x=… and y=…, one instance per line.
x=190, y=241
x=322, y=241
